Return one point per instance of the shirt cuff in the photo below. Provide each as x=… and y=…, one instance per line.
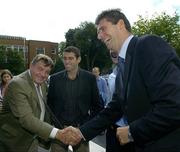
x=130, y=136
x=53, y=133
x=82, y=135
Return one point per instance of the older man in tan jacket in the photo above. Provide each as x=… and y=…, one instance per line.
x=27, y=116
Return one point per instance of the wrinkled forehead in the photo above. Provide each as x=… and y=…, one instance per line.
x=103, y=24
x=41, y=64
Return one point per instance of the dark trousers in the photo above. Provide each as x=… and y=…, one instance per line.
x=112, y=143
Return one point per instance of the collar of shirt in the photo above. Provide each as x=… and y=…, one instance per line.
x=123, y=50
x=29, y=72
x=35, y=84
x=98, y=78
x=77, y=75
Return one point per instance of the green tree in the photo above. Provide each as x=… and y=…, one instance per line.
x=58, y=65
x=2, y=57
x=93, y=52
x=12, y=60
x=59, y=61
x=15, y=62
x=164, y=25
x=62, y=46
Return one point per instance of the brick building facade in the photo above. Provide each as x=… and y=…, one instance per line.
x=29, y=48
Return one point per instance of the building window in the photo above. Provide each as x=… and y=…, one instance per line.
x=40, y=50
x=53, y=51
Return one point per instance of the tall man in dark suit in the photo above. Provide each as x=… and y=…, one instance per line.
x=151, y=98
x=73, y=96
x=25, y=120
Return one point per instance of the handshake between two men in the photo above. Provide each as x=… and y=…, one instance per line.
x=72, y=136
x=69, y=136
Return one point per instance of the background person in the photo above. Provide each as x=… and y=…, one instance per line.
x=73, y=97
x=102, y=86
x=112, y=76
x=6, y=76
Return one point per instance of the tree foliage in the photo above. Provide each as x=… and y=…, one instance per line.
x=12, y=60
x=58, y=65
x=164, y=25
x=93, y=52
x=59, y=61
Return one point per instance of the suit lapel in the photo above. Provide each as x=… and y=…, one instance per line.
x=44, y=92
x=128, y=62
x=33, y=89
x=127, y=70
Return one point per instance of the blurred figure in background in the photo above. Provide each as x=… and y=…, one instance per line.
x=6, y=76
x=112, y=76
x=102, y=86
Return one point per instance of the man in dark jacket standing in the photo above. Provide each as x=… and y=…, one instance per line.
x=150, y=101
x=73, y=96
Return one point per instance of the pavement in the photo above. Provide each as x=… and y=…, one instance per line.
x=96, y=145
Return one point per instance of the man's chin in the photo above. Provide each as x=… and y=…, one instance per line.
x=40, y=81
x=109, y=48
x=68, y=69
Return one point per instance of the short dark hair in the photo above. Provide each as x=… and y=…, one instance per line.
x=44, y=58
x=113, y=16
x=74, y=50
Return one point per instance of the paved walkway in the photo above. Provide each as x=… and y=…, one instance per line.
x=93, y=148
x=96, y=148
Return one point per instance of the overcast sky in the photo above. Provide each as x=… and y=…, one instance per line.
x=49, y=20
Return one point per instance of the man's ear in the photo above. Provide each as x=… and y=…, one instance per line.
x=79, y=59
x=121, y=24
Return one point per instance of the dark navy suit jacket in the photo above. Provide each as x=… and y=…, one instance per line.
x=151, y=97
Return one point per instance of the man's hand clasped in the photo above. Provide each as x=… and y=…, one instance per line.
x=69, y=136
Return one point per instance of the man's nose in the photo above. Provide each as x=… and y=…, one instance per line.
x=101, y=36
x=44, y=74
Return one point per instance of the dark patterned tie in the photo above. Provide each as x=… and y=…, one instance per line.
x=120, y=76
x=120, y=89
